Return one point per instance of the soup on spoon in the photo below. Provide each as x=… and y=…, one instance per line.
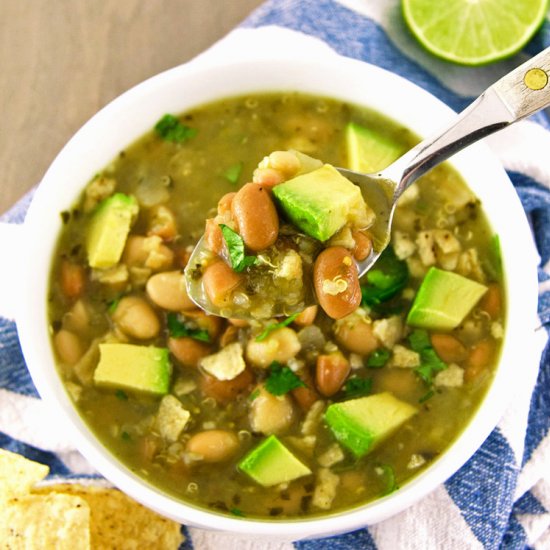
x=286, y=240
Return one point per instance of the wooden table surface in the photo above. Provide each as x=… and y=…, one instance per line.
x=62, y=60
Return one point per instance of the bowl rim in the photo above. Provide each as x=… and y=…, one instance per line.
x=519, y=268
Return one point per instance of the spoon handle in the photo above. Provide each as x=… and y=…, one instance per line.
x=516, y=95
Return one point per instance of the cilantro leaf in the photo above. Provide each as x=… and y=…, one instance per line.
x=430, y=363
x=426, y=396
x=170, y=128
x=235, y=246
x=389, y=478
x=254, y=394
x=281, y=380
x=274, y=326
x=388, y=277
x=233, y=173
x=122, y=395
x=378, y=358
x=357, y=387
x=178, y=329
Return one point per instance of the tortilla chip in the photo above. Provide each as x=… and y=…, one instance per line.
x=18, y=474
x=43, y=522
x=118, y=522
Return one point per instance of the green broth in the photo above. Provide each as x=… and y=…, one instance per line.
x=191, y=177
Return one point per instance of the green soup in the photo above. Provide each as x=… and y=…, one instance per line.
x=189, y=424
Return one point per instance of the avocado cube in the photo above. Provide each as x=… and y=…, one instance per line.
x=361, y=424
x=321, y=202
x=108, y=229
x=443, y=300
x=144, y=369
x=368, y=150
x=271, y=463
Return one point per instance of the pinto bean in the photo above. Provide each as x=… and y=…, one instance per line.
x=213, y=445
x=68, y=346
x=213, y=236
x=363, y=245
x=224, y=204
x=230, y=334
x=268, y=177
x=256, y=216
x=219, y=280
x=167, y=290
x=449, y=348
x=211, y=323
x=136, y=318
x=73, y=279
x=225, y=391
x=306, y=395
x=492, y=301
x=336, y=282
x=478, y=360
x=241, y=323
x=331, y=373
x=306, y=317
x=188, y=351
x=401, y=382
x=356, y=334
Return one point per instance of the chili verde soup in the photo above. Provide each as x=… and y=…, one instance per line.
x=280, y=417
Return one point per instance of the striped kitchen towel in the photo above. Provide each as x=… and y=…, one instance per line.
x=501, y=497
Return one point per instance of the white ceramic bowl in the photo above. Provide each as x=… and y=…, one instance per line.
x=184, y=87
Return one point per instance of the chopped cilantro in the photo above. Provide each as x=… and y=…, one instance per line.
x=170, y=128
x=389, y=478
x=112, y=305
x=430, y=363
x=419, y=340
x=274, y=326
x=235, y=246
x=237, y=512
x=253, y=395
x=357, y=387
x=388, y=277
x=125, y=436
x=378, y=358
x=178, y=329
x=233, y=173
x=426, y=396
x=122, y=395
x=281, y=380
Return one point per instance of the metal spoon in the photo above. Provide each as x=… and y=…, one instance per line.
x=520, y=93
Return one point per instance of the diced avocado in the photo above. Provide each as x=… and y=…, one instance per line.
x=140, y=368
x=368, y=150
x=361, y=424
x=271, y=463
x=321, y=202
x=443, y=300
x=109, y=228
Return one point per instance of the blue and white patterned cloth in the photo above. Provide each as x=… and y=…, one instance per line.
x=501, y=497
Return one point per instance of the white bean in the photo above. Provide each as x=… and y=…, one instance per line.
x=281, y=345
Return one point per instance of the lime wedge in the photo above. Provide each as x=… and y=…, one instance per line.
x=474, y=32
x=369, y=151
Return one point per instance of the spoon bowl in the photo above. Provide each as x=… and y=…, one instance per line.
x=510, y=99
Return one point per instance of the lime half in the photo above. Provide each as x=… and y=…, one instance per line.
x=474, y=32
